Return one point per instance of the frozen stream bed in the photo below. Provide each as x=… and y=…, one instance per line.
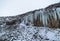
x=29, y=33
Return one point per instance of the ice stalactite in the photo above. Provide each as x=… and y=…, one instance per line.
x=43, y=16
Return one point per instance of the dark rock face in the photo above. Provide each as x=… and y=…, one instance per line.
x=53, y=6
x=11, y=22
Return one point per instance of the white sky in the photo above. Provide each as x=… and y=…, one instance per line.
x=15, y=7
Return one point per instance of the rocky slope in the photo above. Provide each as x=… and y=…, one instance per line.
x=37, y=25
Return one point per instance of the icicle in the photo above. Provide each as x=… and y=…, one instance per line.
x=43, y=15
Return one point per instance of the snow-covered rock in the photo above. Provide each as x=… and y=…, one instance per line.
x=30, y=33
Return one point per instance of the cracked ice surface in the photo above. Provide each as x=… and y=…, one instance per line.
x=30, y=33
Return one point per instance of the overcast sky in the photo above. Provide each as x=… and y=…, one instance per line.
x=15, y=7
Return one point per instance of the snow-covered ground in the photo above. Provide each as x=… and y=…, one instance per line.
x=29, y=33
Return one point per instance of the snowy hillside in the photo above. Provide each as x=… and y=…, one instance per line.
x=37, y=25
